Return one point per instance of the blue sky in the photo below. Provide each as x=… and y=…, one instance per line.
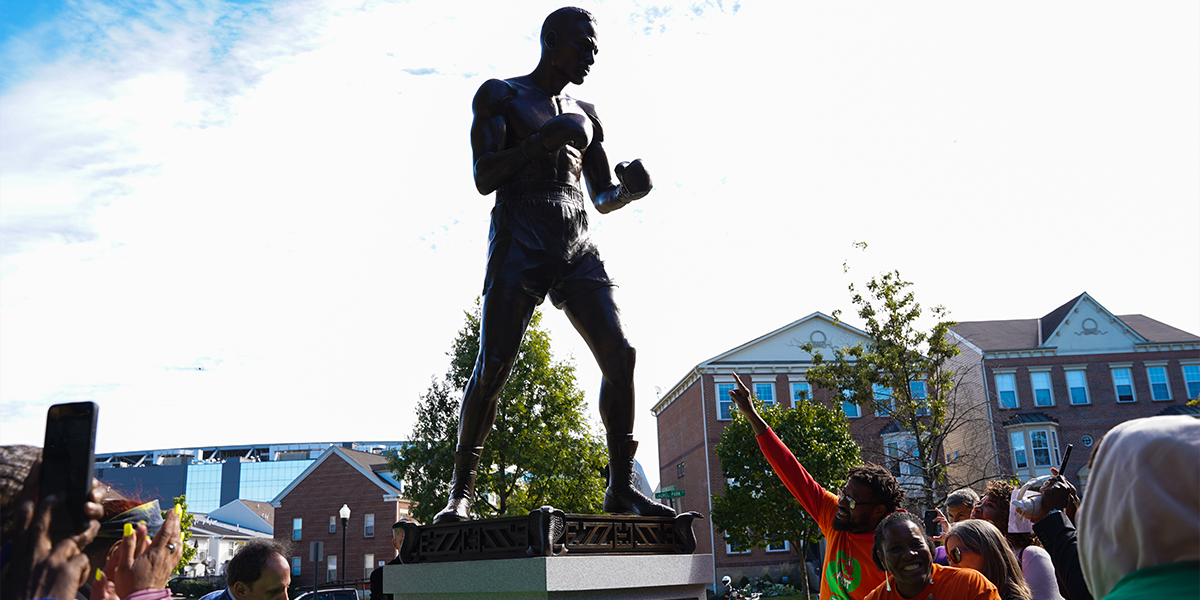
x=280, y=193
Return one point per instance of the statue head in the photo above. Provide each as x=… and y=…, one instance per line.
x=569, y=42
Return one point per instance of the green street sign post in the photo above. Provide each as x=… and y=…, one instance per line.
x=669, y=494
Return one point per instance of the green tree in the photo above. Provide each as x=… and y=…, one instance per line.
x=756, y=508
x=541, y=450
x=905, y=373
x=185, y=527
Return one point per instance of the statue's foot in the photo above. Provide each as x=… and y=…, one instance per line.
x=462, y=486
x=628, y=501
x=457, y=510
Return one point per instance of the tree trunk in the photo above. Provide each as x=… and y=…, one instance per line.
x=803, y=569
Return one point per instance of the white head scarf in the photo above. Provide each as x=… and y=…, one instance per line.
x=1142, y=505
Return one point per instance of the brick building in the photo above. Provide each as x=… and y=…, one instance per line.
x=1023, y=390
x=1069, y=377
x=307, y=511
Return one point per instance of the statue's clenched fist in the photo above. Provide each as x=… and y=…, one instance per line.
x=566, y=130
x=635, y=181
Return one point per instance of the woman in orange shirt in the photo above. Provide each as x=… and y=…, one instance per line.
x=904, y=551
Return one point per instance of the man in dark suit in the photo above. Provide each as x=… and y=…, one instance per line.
x=377, y=574
x=259, y=571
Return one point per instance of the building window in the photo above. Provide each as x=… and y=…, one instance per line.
x=368, y=565
x=724, y=404
x=679, y=471
x=297, y=525
x=1042, y=394
x=1006, y=388
x=1191, y=378
x=883, y=400
x=765, y=392
x=917, y=389
x=1077, y=386
x=1159, y=388
x=333, y=524
x=369, y=526
x=801, y=391
x=1123, y=384
x=295, y=565
x=1044, y=442
x=1018, y=444
x=912, y=458
x=729, y=549
x=902, y=455
x=851, y=409
x=331, y=568
x=783, y=546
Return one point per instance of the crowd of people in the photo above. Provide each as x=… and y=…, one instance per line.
x=1138, y=530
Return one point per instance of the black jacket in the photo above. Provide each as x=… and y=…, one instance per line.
x=377, y=582
x=1057, y=534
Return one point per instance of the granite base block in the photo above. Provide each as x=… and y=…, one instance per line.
x=601, y=577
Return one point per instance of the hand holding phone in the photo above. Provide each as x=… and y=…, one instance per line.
x=68, y=459
x=931, y=525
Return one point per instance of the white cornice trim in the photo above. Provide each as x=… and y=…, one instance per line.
x=1146, y=348
x=676, y=390
x=968, y=343
x=1024, y=353
x=1166, y=346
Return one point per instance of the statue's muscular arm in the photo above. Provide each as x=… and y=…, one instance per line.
x=494, y=164
x=606, y=195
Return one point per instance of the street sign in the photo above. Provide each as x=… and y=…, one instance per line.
x=669, y=488
x=670, y=494
x=316, y=551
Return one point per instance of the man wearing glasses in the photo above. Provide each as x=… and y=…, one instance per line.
x=847, y=519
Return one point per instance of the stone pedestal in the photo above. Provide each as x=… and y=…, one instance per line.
x=595, y=577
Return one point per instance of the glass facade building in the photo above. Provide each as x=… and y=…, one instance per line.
x=263, y=481
x=203, y=488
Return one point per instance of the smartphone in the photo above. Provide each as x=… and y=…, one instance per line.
x=1066, y=456
x=931, y=526
x=68, y=459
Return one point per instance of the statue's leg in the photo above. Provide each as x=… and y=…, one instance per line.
x=596, y=317
x=505, y=315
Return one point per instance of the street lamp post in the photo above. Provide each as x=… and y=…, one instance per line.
x=344, y=513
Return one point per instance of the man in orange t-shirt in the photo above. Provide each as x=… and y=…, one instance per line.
x=847, y=520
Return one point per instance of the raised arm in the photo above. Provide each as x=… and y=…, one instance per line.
x=818, y=502
x=633, y=182
x=741, y=397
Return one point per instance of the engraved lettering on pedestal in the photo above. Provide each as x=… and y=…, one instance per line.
x=623, y=536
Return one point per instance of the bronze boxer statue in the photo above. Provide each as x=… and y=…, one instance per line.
x=536, y=147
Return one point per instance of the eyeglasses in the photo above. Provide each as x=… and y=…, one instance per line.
x=851, y=502
x=955, y=555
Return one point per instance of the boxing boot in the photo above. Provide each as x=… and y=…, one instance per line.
x=621, y=495
x=462, y=486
